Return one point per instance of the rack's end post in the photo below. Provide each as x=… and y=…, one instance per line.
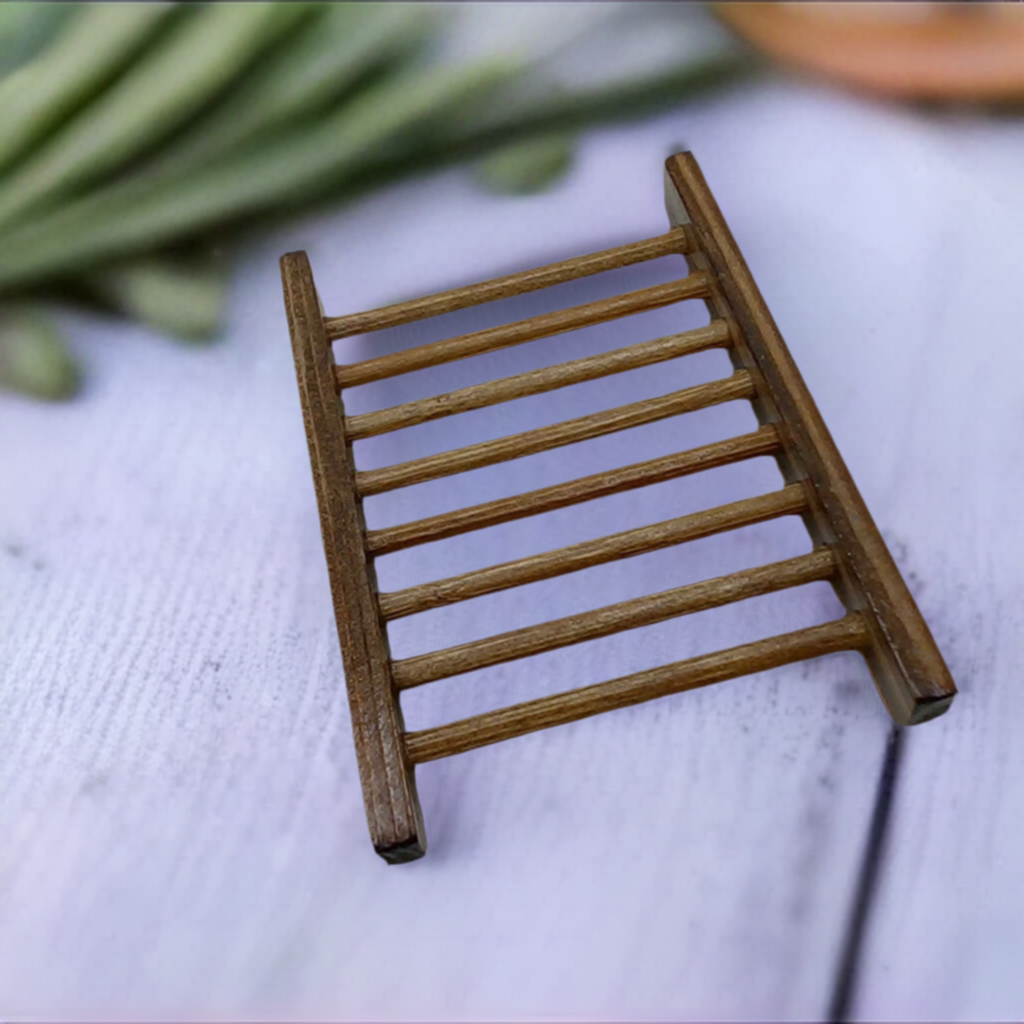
x=403, y=852
x=674, y=207
x=387, y=775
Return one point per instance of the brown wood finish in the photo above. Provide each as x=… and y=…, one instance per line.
x=673, y=242
x=882, y=620
x=537, y=382
x=764, y=441
x=531, y=442
x=909, y=671
x=495, y=338
x=641, y=611
x=846, y=634
x=388, y=781
x=642, y=540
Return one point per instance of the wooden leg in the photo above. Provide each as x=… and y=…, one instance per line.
x=909, y=671
x=387, y=775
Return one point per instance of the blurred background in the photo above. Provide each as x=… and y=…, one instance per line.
x=184, y=832
x=143, y=143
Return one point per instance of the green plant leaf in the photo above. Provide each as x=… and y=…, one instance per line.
x=140, y=130
x=96, y=43
x=145, y=214
x=34, y=358
x=528, y=166
x=26, y=28
x=185, y=299
x=313, y=67
x=202, y=54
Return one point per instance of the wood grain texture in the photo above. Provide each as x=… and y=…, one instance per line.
x=545, y=326
x=819, y=488
x=388, y=781
x=542, y=439
x=640, y=611
x=537, y=382
x=184, y=835
x=598, y=485
x=848, y=633
x=401, y=313
x=585, y=555
x=910, y=674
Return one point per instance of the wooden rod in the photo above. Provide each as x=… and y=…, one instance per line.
x=641, y=611
x=388, y=781
x=537, y=382
x=503, y=287
x=764, y=441
x=846, y=634
x=790, y=500
x=909, y=671
x=516, y=446
x=545, y=326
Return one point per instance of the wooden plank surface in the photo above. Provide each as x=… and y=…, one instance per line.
x=185, y=835
x=951, y=886
x=191, y=836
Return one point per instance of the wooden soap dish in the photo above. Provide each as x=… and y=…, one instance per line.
x=881, y=621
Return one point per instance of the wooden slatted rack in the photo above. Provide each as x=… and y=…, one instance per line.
x=881, y=621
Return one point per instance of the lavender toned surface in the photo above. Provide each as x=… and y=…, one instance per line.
x=184, y=827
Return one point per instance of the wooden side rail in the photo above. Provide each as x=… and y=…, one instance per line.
x=847, y=634
x=389, y=786
x=909, y=672
x=674, y=242
x=882, y=620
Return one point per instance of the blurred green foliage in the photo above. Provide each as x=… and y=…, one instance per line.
x=138, y=137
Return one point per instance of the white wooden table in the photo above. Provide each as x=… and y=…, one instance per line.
x=184, y=832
